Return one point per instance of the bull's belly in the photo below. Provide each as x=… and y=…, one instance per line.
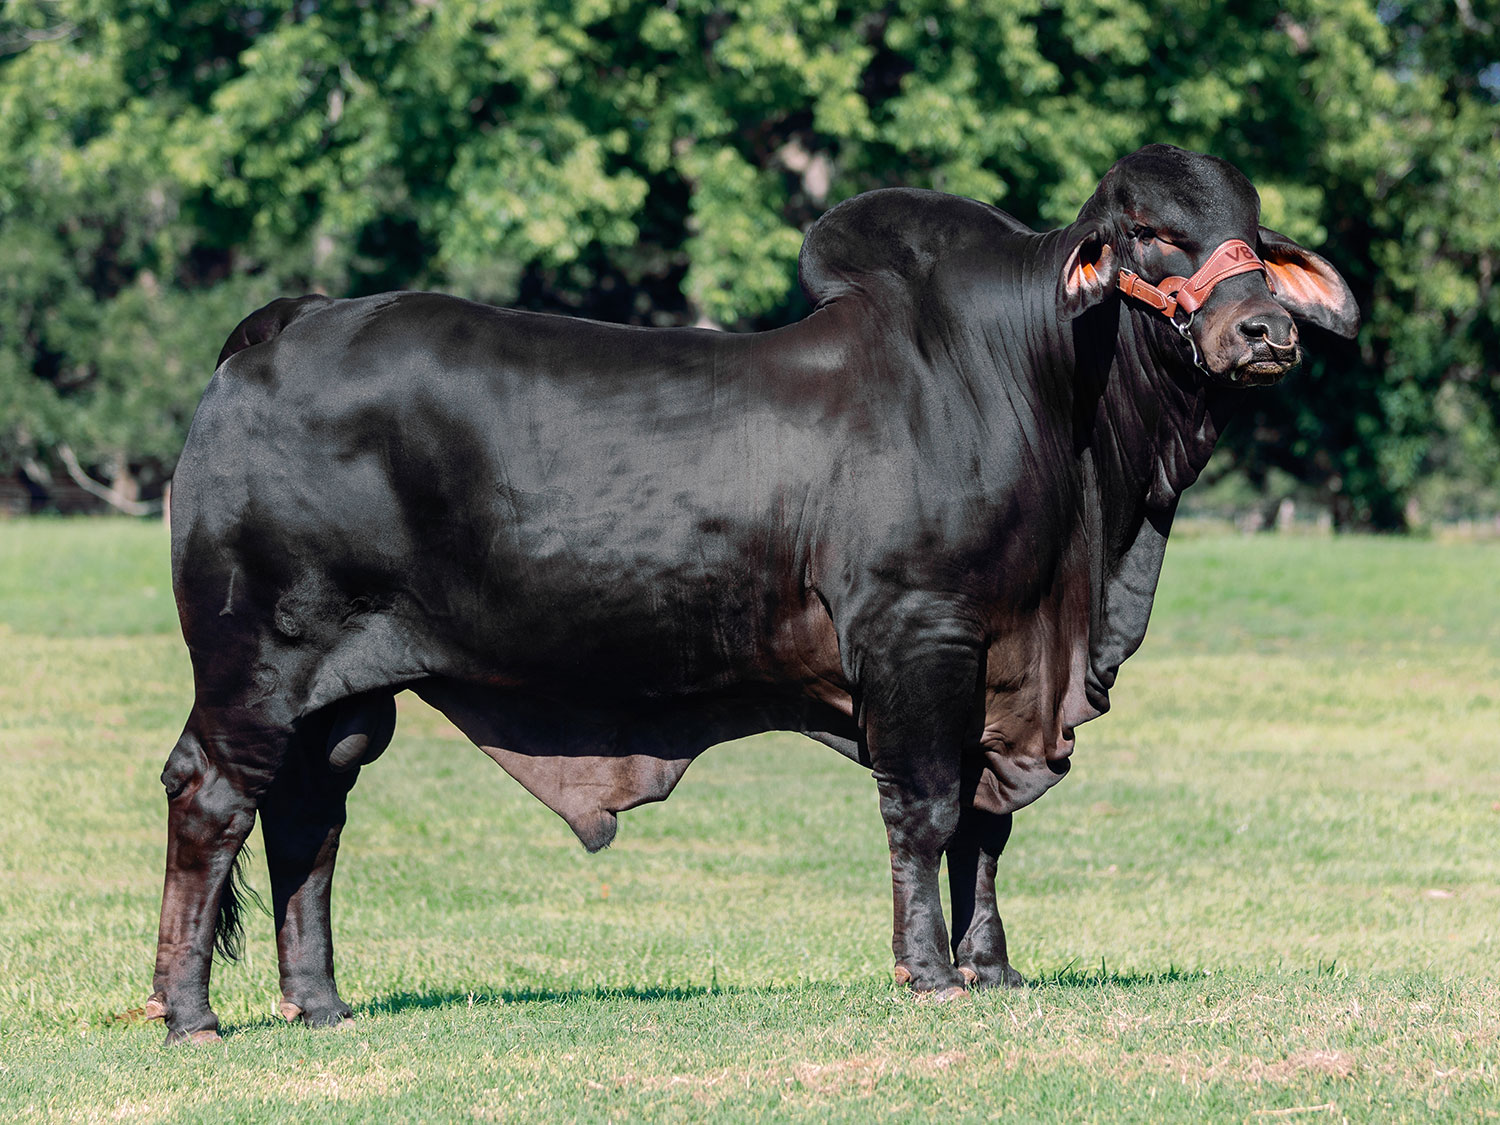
x=594, y=687
x=589, y=761
x=598, y=697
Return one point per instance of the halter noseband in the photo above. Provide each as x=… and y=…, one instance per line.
x=1231, y=259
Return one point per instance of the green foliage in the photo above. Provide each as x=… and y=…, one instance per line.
x=172, y=164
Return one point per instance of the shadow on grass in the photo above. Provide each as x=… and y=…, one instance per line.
x=396, y=1002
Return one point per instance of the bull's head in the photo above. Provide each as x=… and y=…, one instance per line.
x=1177, y=235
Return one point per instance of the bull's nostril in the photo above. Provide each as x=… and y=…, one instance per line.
x=1279, y=332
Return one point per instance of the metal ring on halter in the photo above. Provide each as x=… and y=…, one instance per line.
x=1183, y=327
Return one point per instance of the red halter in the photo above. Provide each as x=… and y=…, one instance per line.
x=1231, y=259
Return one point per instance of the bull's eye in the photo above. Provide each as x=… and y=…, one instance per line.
x=1143, y=235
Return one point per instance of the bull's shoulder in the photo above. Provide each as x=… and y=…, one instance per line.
x=896, y=236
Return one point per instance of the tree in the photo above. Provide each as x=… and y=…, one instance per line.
x=163, y=167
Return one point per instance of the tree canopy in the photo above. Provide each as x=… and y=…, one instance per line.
x=166, y=166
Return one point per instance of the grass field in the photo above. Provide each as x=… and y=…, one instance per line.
x=1268, y=891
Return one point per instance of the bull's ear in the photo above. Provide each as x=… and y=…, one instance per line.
x=1307, y=286
x=1088, y=276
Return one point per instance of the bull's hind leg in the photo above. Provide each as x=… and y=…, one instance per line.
x=300, y=823
x=210, y=812
x=978, y=934
x=301, y=819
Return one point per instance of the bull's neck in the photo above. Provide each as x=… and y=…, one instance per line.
x=1144, y=426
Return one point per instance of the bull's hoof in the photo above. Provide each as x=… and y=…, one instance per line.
x=992, y=976
x=942, y=982
x=335, y=1014
x=156, y=1007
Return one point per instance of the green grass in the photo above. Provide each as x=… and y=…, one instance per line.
x=85, y=578
x=1268, y=891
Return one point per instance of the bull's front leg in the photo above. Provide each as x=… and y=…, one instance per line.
x=922, y=710
x=978, y=934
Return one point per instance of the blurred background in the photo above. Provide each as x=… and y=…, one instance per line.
x=167, y=167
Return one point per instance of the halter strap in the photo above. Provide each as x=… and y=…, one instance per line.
x=1231, y=259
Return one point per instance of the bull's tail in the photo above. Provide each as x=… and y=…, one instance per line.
x=229, y=927
x=269, y=322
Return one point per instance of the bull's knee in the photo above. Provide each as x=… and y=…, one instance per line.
x=918, y=825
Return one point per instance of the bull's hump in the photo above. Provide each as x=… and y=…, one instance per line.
x=895, y=235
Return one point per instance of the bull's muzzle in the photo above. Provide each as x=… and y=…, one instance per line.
x=1272, y=352
x=1253, y=343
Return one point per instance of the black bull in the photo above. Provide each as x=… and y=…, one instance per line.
x=924, y=526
